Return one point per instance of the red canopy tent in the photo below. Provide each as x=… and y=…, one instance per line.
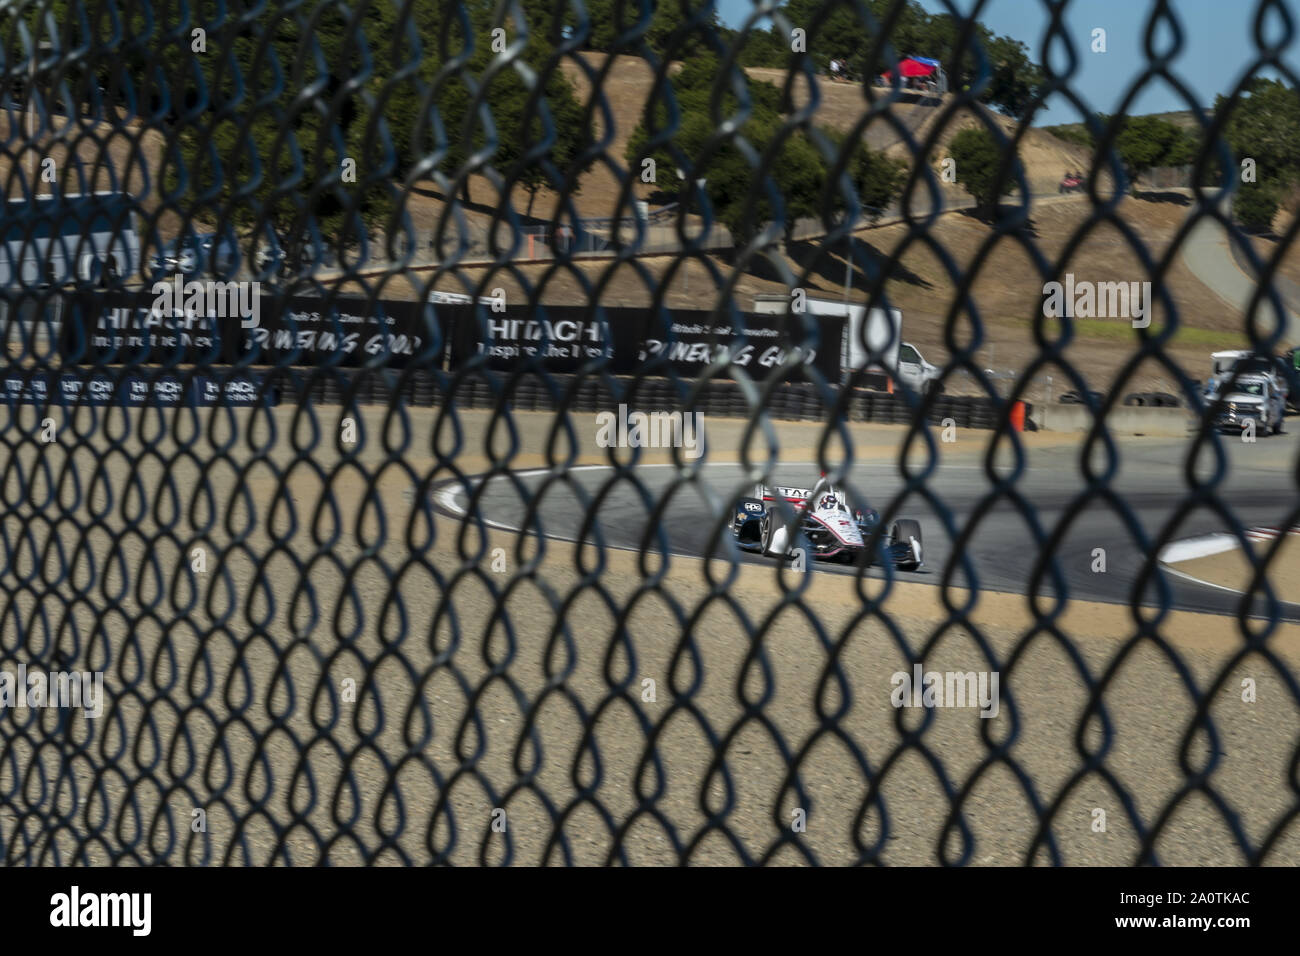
x=915, y=66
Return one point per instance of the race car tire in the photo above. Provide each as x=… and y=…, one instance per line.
x=905, y=529
x=771, y=525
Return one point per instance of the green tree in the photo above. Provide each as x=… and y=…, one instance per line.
x=1145, y=142
x=1076, y=134
x=603, y=26
x=730, y=182
x=877, y=179
x=760, y=47
x=669, y=35
x=515, y=114
x=1264, y=128
x=611, y=18
x=1255, y=205
x=798, y=170
x=843, y=36
x=277, y=104
x=1014, y=78
x=978, y=157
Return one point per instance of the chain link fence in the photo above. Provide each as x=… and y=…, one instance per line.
x=316, y=545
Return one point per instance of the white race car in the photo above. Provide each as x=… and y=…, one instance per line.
x=831, y=527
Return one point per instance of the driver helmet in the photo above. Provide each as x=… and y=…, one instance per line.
x=829, y=500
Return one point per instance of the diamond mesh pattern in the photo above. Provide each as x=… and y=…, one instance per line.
x=308, y=657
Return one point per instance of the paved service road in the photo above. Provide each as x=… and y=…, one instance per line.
x=1260, y=487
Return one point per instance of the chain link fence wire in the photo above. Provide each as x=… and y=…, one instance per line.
x=362, y=590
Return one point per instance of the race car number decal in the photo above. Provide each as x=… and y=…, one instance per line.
x=753, y=506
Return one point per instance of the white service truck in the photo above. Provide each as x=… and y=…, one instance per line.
x=877, y=332
x=56, y=239
x=1224, y=364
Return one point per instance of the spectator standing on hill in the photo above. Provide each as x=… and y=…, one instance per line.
x=835, y=70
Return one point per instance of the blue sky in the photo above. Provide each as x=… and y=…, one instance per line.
x=1218, y=45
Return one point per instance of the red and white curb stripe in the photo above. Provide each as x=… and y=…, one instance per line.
x=1268, y=534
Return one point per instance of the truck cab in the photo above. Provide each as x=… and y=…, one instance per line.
x=1253, y=398
x=914, y=371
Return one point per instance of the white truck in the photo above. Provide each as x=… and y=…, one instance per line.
x=1254, y=401
x=914, y=371
x=57, y=239
x=1223, y=364
x=883, y=335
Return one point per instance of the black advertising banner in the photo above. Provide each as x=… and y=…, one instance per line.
x=133, y=390
x=694, y=342
x=200, y=323
x=561, y=340
x=567, y=337
x=129, y=328
x=213, y=323
x=349, y=332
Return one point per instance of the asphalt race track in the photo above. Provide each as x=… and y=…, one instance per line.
x=1259, y=487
